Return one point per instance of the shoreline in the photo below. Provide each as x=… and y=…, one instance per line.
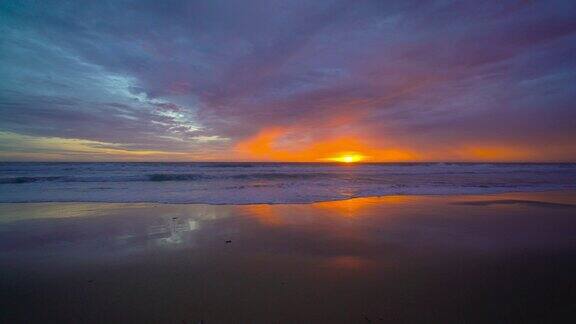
x=568, y=190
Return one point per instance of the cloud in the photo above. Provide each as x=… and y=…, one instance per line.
x=440, y=79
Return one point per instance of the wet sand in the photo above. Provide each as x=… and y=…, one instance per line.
x=508, y=258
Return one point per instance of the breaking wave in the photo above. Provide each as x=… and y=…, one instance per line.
x=242, y=183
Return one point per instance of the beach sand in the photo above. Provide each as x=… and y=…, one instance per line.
x=506, y=258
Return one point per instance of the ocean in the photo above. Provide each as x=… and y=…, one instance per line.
x=269, y=183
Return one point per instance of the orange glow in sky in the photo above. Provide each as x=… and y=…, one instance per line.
x=301, y=144
x=282, y=144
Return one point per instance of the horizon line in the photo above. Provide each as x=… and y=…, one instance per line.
x=311, y=162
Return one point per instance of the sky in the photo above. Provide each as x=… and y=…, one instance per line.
x=225, y=80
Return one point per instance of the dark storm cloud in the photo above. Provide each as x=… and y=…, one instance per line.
x=188, y=75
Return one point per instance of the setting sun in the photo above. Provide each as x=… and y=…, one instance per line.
x=349, y=158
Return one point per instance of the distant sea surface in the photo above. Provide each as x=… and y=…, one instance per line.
x=250, y=183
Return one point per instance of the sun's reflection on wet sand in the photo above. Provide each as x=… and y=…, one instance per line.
x=346, y=262
x=357, y=207
x=264, y=213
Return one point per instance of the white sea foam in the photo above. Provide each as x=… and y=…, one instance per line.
x=245, y=183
